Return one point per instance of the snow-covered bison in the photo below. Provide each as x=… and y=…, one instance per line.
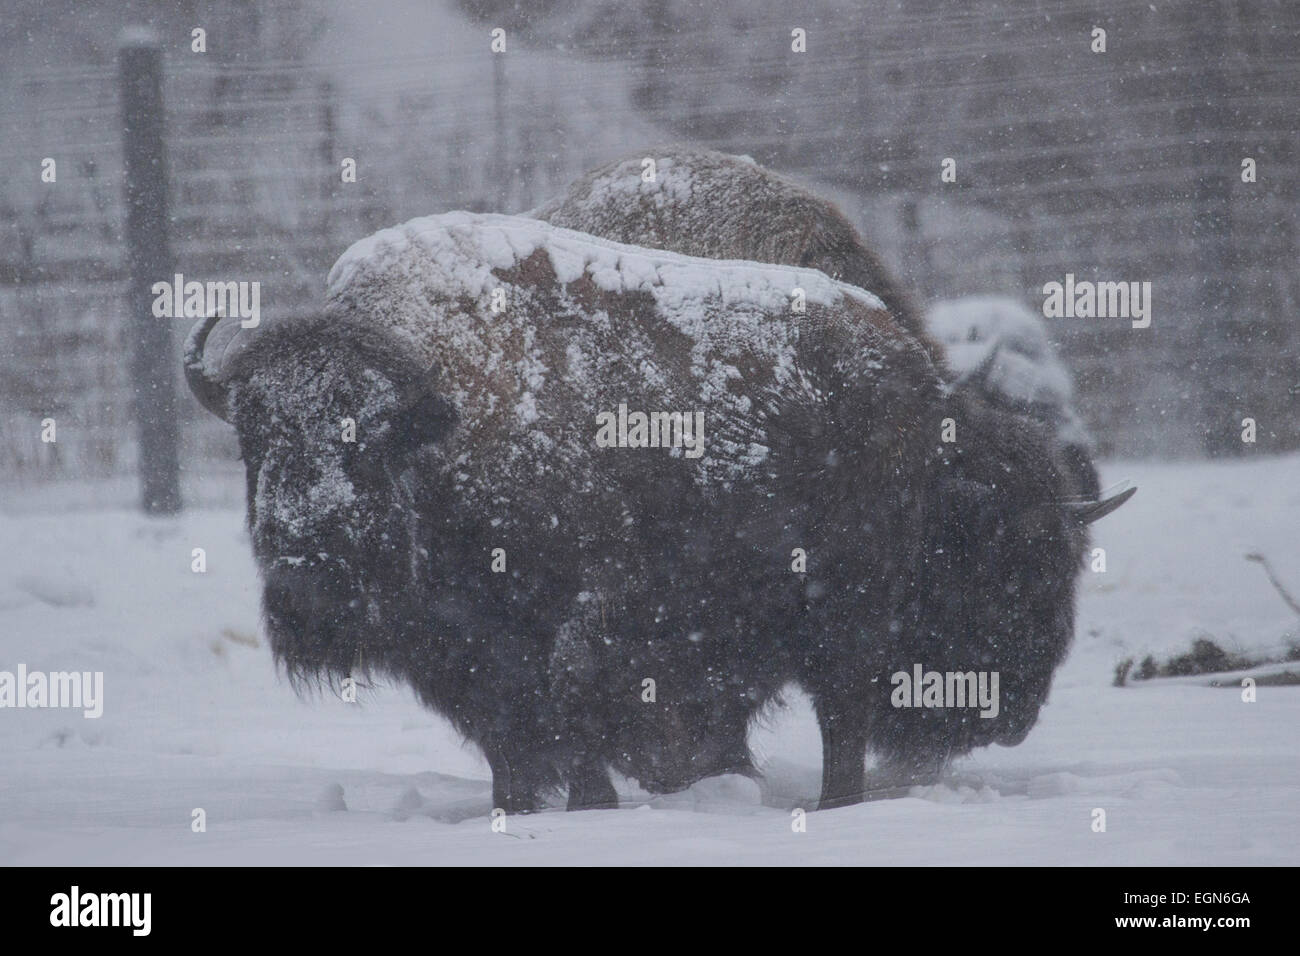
x=704, y=203
x=585, y=481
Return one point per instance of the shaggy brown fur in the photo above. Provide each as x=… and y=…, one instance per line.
x=710, y=204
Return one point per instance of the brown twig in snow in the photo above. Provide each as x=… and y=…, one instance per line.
x=1268, y=569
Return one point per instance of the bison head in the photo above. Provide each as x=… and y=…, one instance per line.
x=329, y=431
x=1004, y=540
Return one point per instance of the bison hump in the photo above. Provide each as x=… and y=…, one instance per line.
x=533, y=330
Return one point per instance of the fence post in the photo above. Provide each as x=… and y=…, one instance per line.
x=499, y=94
x=153, y=364
x=1220, y=339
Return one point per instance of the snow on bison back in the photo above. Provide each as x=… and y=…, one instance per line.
x=529, y=471
x=700, y=202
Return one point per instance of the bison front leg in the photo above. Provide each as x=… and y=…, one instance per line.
x=590, y=788
x=844, y=753
x=514, y=788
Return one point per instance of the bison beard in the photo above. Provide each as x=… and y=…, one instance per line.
x=475, y=430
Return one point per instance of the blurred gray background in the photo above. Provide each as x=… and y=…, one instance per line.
x=1116, y=166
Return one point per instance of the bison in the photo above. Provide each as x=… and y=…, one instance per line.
x=1004, y=376
x=574, y=607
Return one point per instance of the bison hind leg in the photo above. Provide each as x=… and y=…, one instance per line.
x=590, y=788
x=844, y=754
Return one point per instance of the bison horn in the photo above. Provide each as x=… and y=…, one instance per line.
x=1086, y=512
x=211, y=394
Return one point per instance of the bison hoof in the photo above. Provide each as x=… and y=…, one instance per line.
x=842, y=800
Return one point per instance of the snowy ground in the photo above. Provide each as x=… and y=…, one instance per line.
x=196, y=717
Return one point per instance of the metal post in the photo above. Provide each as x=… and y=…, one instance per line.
x=153, y=364
x=503, y=170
